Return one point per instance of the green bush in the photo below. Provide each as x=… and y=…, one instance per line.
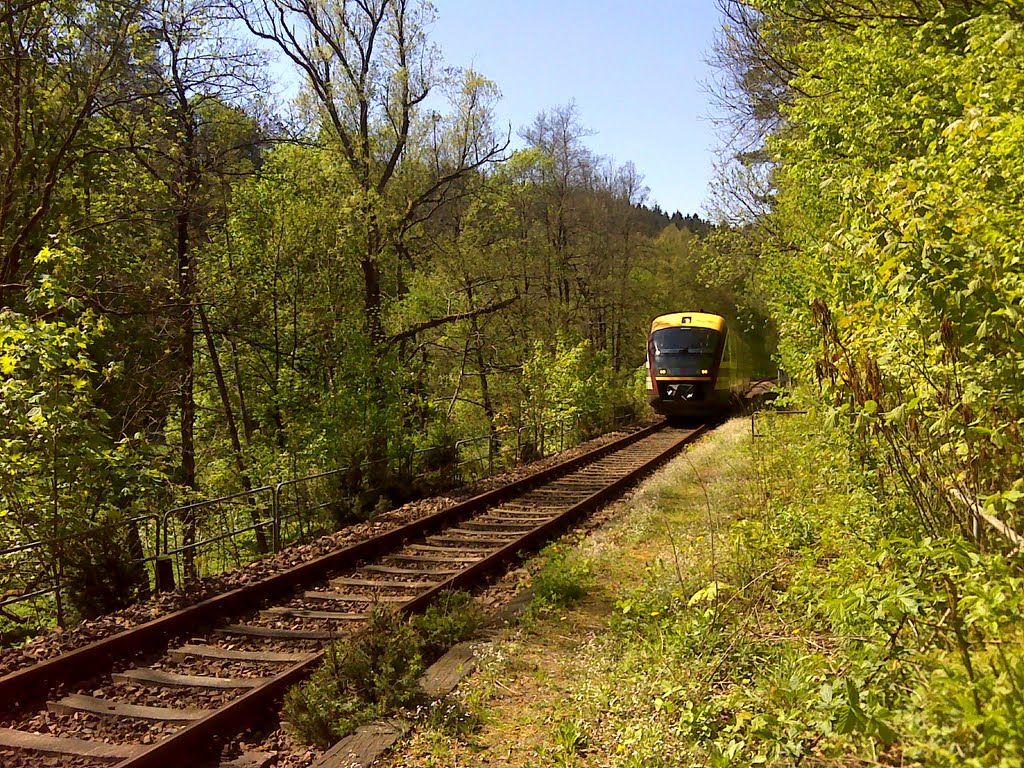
x=361, y=678
x=571, y=383
x=102, y=575
x=562, y=579
x=364, y=677
x=321, y=710
x=452, y=619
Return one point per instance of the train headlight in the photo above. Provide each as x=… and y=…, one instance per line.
x=662, y=371
x=704, y=371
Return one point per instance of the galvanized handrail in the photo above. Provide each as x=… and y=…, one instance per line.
x=78, y=534
x=276, y=498
x=28, y=596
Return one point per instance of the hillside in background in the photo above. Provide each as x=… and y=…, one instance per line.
x=202, y=293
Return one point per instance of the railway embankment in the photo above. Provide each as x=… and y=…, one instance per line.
x=178, y=706
x=760, y=601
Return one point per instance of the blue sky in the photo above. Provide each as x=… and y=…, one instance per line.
x=635, y=71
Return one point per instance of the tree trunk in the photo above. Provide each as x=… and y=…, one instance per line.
x=248, y=427
x=186, y=362
x=236, y=444
x=377, y=439
x=485, y=395
x=278, y=416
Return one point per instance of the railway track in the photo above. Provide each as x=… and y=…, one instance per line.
x=169, y=691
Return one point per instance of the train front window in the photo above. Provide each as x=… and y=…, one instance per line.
x=685, y=351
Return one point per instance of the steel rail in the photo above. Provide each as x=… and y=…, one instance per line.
x=33, y=684
x=203, y=735
x=546, y=530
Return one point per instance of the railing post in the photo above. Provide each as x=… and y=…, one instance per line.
x=162, y=544
x=163, y=569
x=275, y=511
x=161, y=552
x=58, y=583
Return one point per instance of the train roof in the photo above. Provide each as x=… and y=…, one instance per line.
x=688, y=320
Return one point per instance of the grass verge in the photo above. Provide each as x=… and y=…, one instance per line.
x=759, y=602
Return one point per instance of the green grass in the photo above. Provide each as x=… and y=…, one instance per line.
x=759, y=603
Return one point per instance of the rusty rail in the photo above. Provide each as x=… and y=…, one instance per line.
x=201, y=736
x=32, y=684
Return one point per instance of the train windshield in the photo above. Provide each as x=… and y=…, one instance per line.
x=685, y=351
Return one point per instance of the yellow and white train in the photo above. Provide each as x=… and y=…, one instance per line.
x=696, y=366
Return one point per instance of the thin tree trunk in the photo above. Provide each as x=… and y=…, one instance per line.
x=278, y=416
x=377, y=440
x=481, y=366
x=243, y=405
x=187, y=395
x=236, y=444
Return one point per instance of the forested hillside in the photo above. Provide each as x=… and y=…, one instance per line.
x=203, y=291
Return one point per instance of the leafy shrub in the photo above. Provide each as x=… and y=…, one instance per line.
x=384, y=663
x=16, y=629
x=62, y=469
x=321, y=710
x=917, y=646
x=361, y=678
x=450, y=620
x=102, y=575
x=897, y=278
x=572, y=384
x=562, y=579
x=364, y=677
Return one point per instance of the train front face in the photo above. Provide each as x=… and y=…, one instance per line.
x=684, y=358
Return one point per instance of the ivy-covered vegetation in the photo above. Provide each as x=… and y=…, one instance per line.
x=878, y=152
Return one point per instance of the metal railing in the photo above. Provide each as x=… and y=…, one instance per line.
x=979, y=518
x=211, y=536
x=35, y=575
x=205, y=537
